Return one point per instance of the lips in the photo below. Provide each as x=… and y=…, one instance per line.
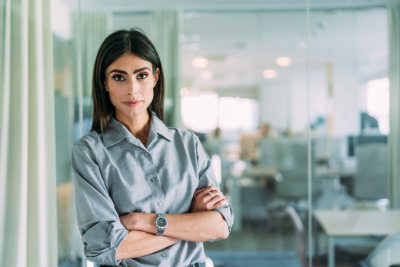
x=132, y=102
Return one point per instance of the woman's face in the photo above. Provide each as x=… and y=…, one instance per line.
x=130, y=82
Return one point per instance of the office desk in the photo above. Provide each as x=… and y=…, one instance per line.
x=353, y=223
x=263, y=173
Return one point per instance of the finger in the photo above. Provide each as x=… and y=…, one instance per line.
x=212, y=195
x=205, y=192
x=199, y=191
x=214, y=190
x=215, y=200
x=221, y=203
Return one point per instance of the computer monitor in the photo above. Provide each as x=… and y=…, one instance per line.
x=353, y=141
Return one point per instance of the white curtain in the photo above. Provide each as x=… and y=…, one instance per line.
x=394, y=76
x=28, y=234
x=165, y=33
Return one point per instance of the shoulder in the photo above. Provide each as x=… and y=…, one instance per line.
x=88, y=143
x=184, y=135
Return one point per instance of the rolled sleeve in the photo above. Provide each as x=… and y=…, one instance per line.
x=98, y=221
x=227, y=214
x=102, y=240
x=207, y=177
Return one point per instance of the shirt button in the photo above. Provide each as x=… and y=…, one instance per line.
x=164, y=254
x=152, y=180
x=159, y=204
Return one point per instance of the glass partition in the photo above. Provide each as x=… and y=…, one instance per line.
x=349, y=122
x=66, y=101
x=255, y=70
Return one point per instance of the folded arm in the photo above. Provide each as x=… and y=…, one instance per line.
x=106, y=241
x=139, y=243
x=202, y=224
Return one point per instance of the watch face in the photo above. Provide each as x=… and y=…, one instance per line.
x=161, y=222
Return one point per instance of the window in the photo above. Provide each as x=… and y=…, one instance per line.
x=199, y=110
x=377, y=102
x=238, y=113
x=203, y=112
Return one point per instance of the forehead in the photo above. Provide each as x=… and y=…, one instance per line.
x=129, y=61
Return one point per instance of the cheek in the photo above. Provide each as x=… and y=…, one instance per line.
x=113, y=97
x=150, y=94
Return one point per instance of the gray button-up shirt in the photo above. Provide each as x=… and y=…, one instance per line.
x=115, y=174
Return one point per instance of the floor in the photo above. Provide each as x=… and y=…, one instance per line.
x=255, y=259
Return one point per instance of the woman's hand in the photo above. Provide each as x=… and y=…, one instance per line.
x=208, y=198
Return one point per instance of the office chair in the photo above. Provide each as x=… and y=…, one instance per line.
x=371, y=181
x=301, y=240
x=385, y=254
x=293, y=165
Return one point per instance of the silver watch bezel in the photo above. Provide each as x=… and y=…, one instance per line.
x=159, y=228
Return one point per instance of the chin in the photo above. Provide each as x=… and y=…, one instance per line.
x=135, y=113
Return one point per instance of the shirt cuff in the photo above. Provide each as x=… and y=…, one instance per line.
x=102, y=240
x=227, y=214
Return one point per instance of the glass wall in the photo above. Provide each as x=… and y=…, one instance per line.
x=255, y=72
x=291, y=106
x=67, y=102
x=349, y=120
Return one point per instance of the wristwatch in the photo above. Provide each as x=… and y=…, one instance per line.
x=161, y=223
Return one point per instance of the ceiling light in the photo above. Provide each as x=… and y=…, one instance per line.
x=270, y=74
x=206, y=75
x=200, y=62
x=283, y=61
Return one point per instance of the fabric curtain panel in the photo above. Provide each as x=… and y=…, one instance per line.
x=394, y=70
x=28, y=234
x=165, y=34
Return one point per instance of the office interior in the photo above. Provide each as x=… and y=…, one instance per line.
x=296, y=103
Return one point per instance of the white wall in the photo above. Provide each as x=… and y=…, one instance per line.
x=274, y=104
x=346, y=100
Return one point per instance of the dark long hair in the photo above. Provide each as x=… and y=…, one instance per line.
x=115, y=45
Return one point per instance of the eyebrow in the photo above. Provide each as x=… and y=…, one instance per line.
x=124, y=72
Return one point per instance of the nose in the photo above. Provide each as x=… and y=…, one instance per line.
x=133, y=88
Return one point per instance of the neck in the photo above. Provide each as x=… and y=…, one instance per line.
x=138, y=126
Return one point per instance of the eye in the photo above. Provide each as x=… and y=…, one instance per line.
x=142, y=75
x=118, y=77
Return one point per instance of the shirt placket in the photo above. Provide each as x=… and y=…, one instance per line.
x=154, y=182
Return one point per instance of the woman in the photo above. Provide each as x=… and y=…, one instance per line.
x=145, y=193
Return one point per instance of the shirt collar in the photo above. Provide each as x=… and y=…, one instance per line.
x=158, y=127
x=116, y=131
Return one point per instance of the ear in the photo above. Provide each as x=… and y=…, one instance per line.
x=156, y=76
